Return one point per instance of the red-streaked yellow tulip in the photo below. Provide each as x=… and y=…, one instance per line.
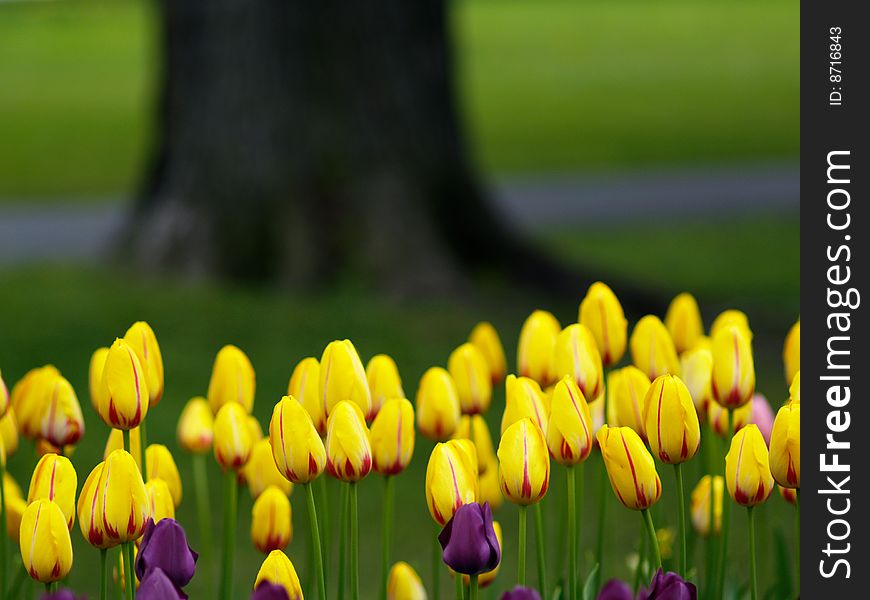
x=55, y=478
x=296, y=446
x=630, y=467
x=384, y=381
x=348, y=449
x=683, y=321
x=733, y=380
x=126, y=509
x=46, y=547
x=343, y=378
x=731, y=317
x=486, y=338
x=195, y=429
x=403, y=583
x=791, y=352
x=232, y=380
x=474, y=428
x=602, y=313
x=524, y=463
x=670, y=420
x=28, y=398
x=570, y=429
x=124, y=402
x=116, y=442
x=535, y=347
x=489, y=487
x=95, y=376
x=717, y=417
x=794, y=390
x=437, y=405
x=90, y=508
x=392, y=437
x=470, y=373
x=305, y=387
x=261, y=472
x=4, y=396
x=451, y=478
x=9, y=431
x=271, y=521
x=160, y=501
x=160, y=464
x=785, y=446
x=278, y=569
x=696, y=366
x=232, y=436
x=788, y=494
x=62, y=422
x=576, y=355
x=626, y=389
x=652, y=349
x=484, y=579
x=747, y=467
x=524, y=398
x=140, y=337
x=700, y=504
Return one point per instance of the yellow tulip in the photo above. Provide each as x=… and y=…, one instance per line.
x=9, y=431
x=95, y=376
x=733, y=380
x=791, y=352
x=55, y=478
x=602, y=313
x=46, y=548
x=116, y=442
x=11, y=487
x=474, y=428
x=384, y=381
x=569, y=431
x=524, y=398
x=161, y=465
x=232, y=437
x=576, y=355
x=486, y=339
x=15, y=508
x=278, y=569
x=254, y=428
x=195, y=429
x=437, y=405
x=126, y=508
x=717, y=417
x=788, y=494
x=62, y=422
x=524, y=463
x=342, y=378
x=140, y=337
x=393, y=437
x=4, y=396
x=652, y=349
x=124, y=400
x=403, y=583
x=535, y=347
x=700, y=504
x=626, y=389
x=90, y=508
x=489, y=488
x=160, y=501
x=451, y=478
x=232, y=380
x=296, y=446
x=747, y=467
x=261, y=472
x=729, y=318
x=670, y=420
x=683, y=321
x=271, y=521
x=28, y=399
x=348, y=449
x=470, y=373
x=785, y=446
x=630, y=467
x=794, y=390
x=696, y=366
x=305, y=387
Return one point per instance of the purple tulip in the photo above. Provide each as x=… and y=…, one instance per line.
x=762, y=416
x=521, y=593
x=63, y=594
x=469, y=541
x=670, y=586
x=615, y=590
x=164, y=546
x=156, y=585
x=270, y=591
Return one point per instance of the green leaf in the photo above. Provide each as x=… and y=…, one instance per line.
x=589, y=589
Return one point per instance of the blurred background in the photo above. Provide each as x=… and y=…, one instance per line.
x=277, y=175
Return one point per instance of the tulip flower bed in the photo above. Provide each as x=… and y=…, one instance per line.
x=583, y=469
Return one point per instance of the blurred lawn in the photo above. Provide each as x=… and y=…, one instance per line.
x=547, y=85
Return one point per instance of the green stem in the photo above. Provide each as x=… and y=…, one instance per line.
x=354, y=543
x=387, y=525
x=200, y=481
x=323, y=514
x=472, y=588
x=654, y=541
x=130, y=578
x=681, y=496
x=726, y=518
x=3, y=543
x=542, y=558
x=231, y=499
x=641, y=558
x=315, y=541
x=753, y=577
x=143, y=446
x=572, y=535
x=710, y=564
x=125, y=441
x=342, y=539
x=797, y=539
x=521, y=548
x=602, y=519
x=436, y=566
x=104, y=580
x=460, y=587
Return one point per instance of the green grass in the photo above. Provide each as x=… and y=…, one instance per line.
x=545, y=85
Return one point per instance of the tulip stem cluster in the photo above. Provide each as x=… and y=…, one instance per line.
x=654, y=542
x=521, y=548
x=231, y=499
x=753, y=577
x=681, y=495
x=726, y=522
x=387, y=528
x=315, y=540
x=472, y=588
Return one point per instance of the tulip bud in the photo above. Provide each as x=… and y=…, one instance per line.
x=670, y=420
x=9, y=432
x=384, y=381
x=469, y=541
x=126, y=509
x=696, y=366
x=470, y=372
x=791, y=352
x=140, y=337
x=232, y=380
x=195, y=429
x=28, y=399
x=124, y=400
x=729, y=318
x=451, y=478
x=62, y=422
x=536, y=345
x=747, y=468
x=733, y=379
x=90, y=508
x=95, y=376
x=4, y=396
x=474, y=428
x=232, y=437
x=683, y=321
x=342, y=378
x=116, y=442
x=602, y=313
x=160, y=500
x=524, y=398
x=489, y=487
x=524, y=463
x=794, y=390
x=700, y=504
x=348, y=450
x=486, y=339
x=161, y=465
x=626, y=388
x=261, y=472
x=46, y=548
x=271, y=521
x=785, y=446
x=54, y=478
x=393, y=437
x=569, y=432
x=278, y=569
x=437, y=405
x=717, y=417
x=403, y=583
x=788, y=494
x=652, y=349
x=576, y=355
x=630, y=467
x=485, y=579
x=305, y=387
x=296, y=446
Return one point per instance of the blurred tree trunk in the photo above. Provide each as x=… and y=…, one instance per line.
x=302, y=140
